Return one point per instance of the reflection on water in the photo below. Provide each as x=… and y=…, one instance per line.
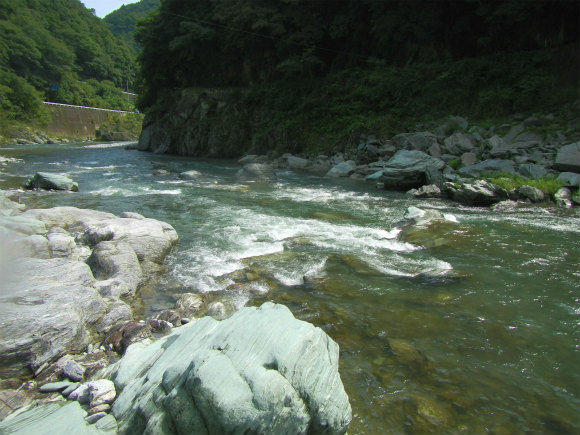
x=464, y=328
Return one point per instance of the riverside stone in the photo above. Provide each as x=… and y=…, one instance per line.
x=296, y=162
x=54, y=386
x=101, y=392
x=458, y=143
x=531, y=170
x=116, y=262
x=48, y=181
x=532, y=193
x=563, y=197
x=568, y=158
x=8, y=207
x=50, y=307
x=411, y=169
x=74, y=371
x=488, y=167
x=428, y=191
x=478, y=193
x=569, y=179
x=342, y=169
x=259, y=371
x=421, y=141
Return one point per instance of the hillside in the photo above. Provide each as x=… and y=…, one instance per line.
x=123, y=21
x=58, y=50
x=307, y=74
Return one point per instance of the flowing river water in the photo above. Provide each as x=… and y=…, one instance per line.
x=468, y=328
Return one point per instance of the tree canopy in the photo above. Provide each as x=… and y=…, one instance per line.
x=58, y=50
x=123, y=21
x=240, y=42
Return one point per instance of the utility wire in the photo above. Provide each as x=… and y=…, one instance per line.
x=260, y=35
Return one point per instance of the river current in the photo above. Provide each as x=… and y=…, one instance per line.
x=470, y=328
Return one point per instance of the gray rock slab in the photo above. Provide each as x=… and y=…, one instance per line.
x=569, y=179
x=260, y=371
x=55, y=419
x=568, y=158
x=50, y=181
x=490, y=166
x=342, y=169
x=408, y=169
x=531, y=170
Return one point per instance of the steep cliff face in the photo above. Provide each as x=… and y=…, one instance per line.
x=210, y=123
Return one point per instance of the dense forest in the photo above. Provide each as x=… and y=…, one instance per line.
x=332, y=66
x=58, y=50
x=123, y=21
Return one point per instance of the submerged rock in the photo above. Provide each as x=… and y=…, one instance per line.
x=256, y=172
x=260, y=371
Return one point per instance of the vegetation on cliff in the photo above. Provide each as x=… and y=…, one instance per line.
x=320, y=70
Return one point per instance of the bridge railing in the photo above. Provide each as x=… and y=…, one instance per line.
x=49, y=103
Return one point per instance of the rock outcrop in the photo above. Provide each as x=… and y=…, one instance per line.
x=260, y=371
x=63, y=271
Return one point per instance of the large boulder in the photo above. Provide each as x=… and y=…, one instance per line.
x=569, y=179
x=491, y=166
x=531, y=170
x=260, y=371
x=342, y=169
x=411, y=169
x=478, y=193
x=458, y=143
x=50, y=302
x=421, y=141
x=568, y=158
x=49, y=181
x=8, y=207
x=47, y=307
x=149, y=238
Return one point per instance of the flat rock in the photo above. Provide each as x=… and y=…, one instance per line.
x=260, y=371
x=56, y=419
x=569, y=179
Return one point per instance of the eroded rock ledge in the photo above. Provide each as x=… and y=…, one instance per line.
x=66, y=276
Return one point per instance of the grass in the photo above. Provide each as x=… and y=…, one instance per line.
x=548, y=184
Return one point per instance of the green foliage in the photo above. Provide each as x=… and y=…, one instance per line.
x=547, y=184
x=455, y=163
x=120, y=127
x=123, y=21
x=58, y=43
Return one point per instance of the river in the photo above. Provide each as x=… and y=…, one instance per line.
x=478, y=334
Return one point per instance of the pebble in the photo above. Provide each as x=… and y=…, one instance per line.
x=54, y=386
x=95, y=417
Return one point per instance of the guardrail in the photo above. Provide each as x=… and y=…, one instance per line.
x=48, y=103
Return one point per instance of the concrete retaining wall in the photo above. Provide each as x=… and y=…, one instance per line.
x=77, y=121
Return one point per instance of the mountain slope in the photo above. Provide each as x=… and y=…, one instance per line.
x=123, y=21
x=58, y=50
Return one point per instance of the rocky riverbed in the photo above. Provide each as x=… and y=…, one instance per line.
x=69, y=278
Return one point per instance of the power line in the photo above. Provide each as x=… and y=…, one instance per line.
x=260, y=35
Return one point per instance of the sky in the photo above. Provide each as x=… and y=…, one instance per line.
x=104, y=7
